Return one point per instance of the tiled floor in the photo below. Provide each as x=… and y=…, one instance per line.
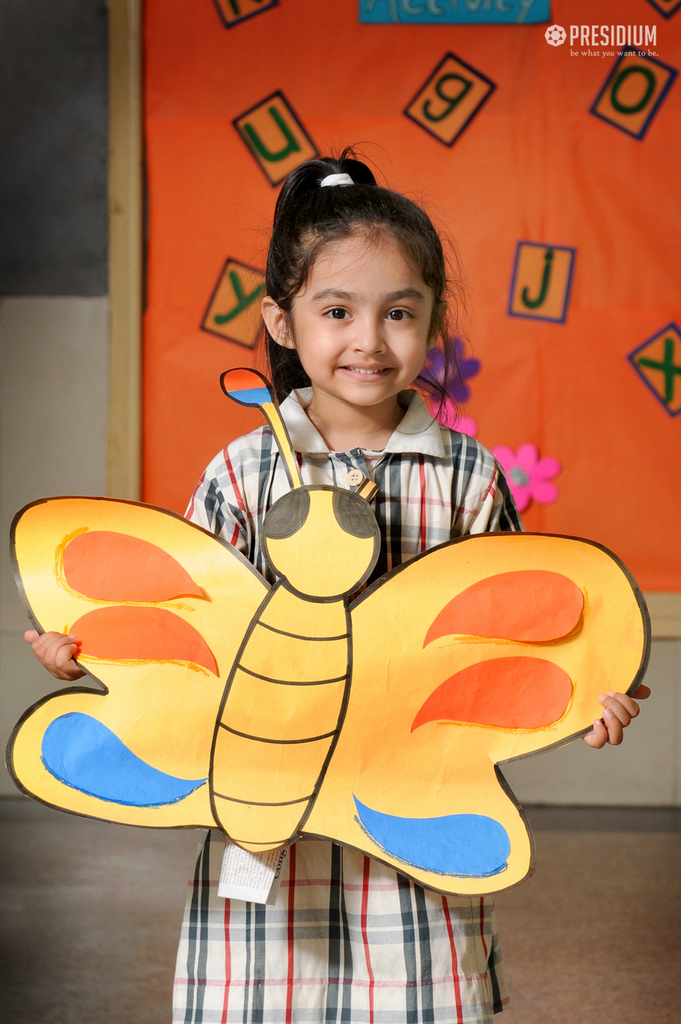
x=89, y=919
x=89, y=915
x=595, y=935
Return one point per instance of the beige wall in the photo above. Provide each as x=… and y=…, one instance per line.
x=54, y=368
x=53, y=440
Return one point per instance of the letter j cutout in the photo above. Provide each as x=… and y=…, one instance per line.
x=275, y=137
x=542, y=277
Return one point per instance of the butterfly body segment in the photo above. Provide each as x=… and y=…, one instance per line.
x=275, y=735
x=287, y=695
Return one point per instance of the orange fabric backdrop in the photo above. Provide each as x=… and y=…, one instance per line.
x=534, y=164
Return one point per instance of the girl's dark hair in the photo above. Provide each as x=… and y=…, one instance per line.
x=308, y=217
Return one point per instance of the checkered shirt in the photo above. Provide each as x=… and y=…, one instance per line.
x=349, y=939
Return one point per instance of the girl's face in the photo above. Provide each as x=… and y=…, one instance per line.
x=361, y=325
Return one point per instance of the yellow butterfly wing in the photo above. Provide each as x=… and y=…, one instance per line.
x=161, y=607
x=480, y=651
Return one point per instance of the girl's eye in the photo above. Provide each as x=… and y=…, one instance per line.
x=398, y=314
x=338, y=313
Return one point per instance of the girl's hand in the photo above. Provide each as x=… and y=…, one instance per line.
x=56, y=652
x=619, y=711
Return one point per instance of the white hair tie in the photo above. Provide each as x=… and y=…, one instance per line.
x=336, y=179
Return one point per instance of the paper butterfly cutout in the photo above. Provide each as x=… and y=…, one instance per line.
x=291, y=710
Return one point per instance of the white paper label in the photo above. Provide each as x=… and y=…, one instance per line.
x=254, y=877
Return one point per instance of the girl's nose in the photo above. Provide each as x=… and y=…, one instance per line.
x=369, y=337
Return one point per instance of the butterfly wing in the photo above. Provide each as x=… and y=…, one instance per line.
x=480, y=651
x=160, y=607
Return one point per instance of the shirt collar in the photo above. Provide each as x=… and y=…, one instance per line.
x=417, y=432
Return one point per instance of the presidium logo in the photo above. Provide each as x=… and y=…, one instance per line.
x=555, y=35
x=598, y=36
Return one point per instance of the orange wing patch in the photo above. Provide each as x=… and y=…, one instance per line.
x=112, y=566
x=129, y=633
x=509, y=693
x=531, y=606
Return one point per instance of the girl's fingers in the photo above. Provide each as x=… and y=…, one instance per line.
x=619, y=709
x=615, y=726
x=598, y=736
x=64, y=654
x=69, y=674
x=65, y=667
x=49, y=645
x=56, y=652
x=624, y=712
x=643, y=692
x=622, y=706
x=607, y=729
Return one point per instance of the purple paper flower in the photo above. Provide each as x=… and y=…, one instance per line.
x=459, y=372
x=528, y=476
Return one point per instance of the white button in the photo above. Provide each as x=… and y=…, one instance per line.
x=355, y=477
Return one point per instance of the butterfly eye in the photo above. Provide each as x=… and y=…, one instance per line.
x=288, y=515
x=353, y=515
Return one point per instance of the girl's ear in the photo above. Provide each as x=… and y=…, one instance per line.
x=276, y=322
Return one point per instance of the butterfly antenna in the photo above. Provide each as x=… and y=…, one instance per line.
x=248, y=387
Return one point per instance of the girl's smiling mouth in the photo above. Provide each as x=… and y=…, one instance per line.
x=367, y=371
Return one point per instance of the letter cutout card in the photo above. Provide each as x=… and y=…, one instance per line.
x=275, y=712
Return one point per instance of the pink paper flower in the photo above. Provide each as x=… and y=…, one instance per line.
x=449, y=417
x=528, y=476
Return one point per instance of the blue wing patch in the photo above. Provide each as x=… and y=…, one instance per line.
x=463, y=845
x=86, y=755
x=250, y=396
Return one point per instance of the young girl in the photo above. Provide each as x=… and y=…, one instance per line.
x=356, y=295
